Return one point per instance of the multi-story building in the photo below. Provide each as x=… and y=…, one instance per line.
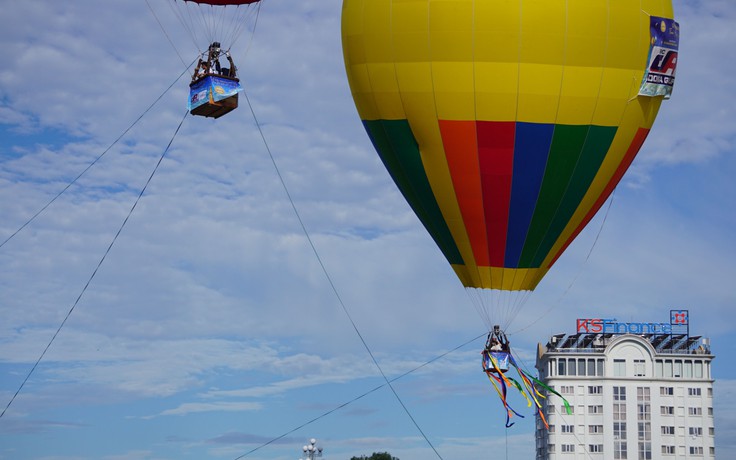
x=636, y=391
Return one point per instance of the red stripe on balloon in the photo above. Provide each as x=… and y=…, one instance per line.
x=496, y=158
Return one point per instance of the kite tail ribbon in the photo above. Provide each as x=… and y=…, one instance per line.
x=530, y=381
x=502, y=381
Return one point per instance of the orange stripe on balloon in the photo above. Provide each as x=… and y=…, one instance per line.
x=461, y=151
x=633, y=149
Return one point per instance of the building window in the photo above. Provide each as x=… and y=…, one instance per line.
x=562, y=367
x=619, y=424
x=595, y=409
x=619, y=367
x=619, y=412
x=688, y=369
x=567, y=389
x=599, y=367
x=619, y=448
x=710, y=411
x=645, y=450
x=693, y=391
x=639, y=368
x=563, y=409
x=711, y=431
x=695, y=431
x=696, y=450
x=551, y=409
x=666, y=391
x=568, y=447
x=595, y=429
x=644, y=425
x=668, y=368
x=668, y=450
x=695, y=410
x=677, y=372
x=595, y=390
x=668, y=430
x=591, y=367
x=581, y=367
x=568, y=428
x=551, y=429
x=571, y=366
x=595, y=448
x=667, y=410
x=551, y=448
x=710, y=392
x=698, y=369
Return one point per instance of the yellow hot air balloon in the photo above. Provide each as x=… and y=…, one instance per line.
x=506, y=124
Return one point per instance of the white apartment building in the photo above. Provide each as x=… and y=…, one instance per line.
x=641, y=395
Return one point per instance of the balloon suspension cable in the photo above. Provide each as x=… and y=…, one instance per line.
x=165, y=33
x=224, y=23
x=183, y=14
x=495, y=306
x=97, y=268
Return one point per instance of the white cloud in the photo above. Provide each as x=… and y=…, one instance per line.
x=212, y=300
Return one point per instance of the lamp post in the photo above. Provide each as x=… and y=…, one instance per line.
x=312, y=450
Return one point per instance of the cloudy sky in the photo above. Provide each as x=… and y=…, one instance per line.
x=211, y=328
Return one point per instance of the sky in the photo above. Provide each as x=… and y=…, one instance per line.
x=211, y=328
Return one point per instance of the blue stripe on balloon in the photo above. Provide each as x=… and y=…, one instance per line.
x=531, y=149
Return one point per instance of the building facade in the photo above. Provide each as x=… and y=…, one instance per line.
x=642, y=395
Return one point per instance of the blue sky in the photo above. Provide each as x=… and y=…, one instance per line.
x=211, y=329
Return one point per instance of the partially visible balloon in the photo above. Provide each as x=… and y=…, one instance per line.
x=224, y=2
x=209, y=21
x=506, y=124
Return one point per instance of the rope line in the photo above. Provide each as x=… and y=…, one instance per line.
x=166, y=34
x=94, y=272
x=330, y=281
x=373, y=390
x=43, y=208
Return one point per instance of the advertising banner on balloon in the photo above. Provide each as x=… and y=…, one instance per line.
x=212, y=89
x=659, y=77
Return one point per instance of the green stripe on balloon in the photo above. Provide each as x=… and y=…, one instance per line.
x=399, y=151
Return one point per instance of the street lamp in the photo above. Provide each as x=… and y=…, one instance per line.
x=312, y=450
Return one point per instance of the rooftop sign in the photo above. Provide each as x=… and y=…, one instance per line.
x=679, y=324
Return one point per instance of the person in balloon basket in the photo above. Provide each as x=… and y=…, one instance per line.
x=211, y=65
x=225, y=71
x=202, y=69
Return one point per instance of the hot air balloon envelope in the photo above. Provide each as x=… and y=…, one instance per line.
x=505, y=124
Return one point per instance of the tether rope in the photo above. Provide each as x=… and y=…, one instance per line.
x=43, y=208
x=99, y=264
x=335, y=409
x=329, y=279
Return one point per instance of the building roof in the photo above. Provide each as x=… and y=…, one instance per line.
x=597, y=343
